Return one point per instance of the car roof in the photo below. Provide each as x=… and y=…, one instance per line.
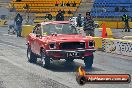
x=55, y=22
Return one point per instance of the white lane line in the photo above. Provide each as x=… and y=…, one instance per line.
x=9, y=35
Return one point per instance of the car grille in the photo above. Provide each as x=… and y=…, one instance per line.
x=72, y=45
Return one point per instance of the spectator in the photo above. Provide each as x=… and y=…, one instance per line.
x=59, y=16
x=18, y=24
x=103, y=10
x=126, y=21
x=56, y=3
x=29, y=20
x=63, y=11
x=88, y=25
x=74, y=4
x=26, y=6
x=12, y=8
x=63, y=4
x=116, y=9
x=68, y=4
x=46, y=17
x=49, y=16
x=69, y=12
x=11, y=26
x=124, y=9
x=18, y=0
x=79, y=21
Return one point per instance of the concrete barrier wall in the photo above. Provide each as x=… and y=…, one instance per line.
x=114, y=25
x=98, y=42
x=26, y=29
x=117, y=46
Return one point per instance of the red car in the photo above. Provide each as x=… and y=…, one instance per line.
x=59, y=40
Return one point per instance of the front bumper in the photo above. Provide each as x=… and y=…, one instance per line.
x=84, y=50
x=63, y=53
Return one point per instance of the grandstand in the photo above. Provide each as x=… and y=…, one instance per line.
x=41, y=7
x=100, y=9
x=106, y=9
x=85, y=6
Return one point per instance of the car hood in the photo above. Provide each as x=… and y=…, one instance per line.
x=67, y=38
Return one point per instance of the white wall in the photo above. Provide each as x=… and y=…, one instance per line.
x=117, y=46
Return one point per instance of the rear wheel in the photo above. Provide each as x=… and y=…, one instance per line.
x=88, y=60
x=32, y=58
x=45, y=59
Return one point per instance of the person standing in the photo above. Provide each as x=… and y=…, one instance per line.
x=74, y=4
x=18, y=24
x=79, y=20
x=68, y=4
x=60, y=16
x=125, y=18
x=50, y=16
x=116, y=9
x=63, y=12
x=63, y=4
x=89, y=25
x=69, y=12
x=11, y=26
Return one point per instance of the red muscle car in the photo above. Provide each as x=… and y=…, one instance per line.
x=59, y=40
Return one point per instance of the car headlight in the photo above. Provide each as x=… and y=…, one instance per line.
x=91, y=44
x=52, y=45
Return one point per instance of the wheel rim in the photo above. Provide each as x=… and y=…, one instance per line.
x=43, y=59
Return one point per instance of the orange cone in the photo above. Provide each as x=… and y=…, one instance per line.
x=104, y=34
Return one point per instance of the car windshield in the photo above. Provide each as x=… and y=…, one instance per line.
x=59, y=29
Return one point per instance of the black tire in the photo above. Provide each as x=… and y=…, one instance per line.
x=88, y=60
x=69, y=60
x=32, y=58
x=81, y=80
x=45, y=60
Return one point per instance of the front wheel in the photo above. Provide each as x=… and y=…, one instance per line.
x=31, y=56
x=88, y=60
x=45, y=59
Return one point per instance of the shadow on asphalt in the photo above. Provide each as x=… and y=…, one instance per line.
x=63, y=66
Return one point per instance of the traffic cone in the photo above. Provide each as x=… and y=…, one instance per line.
x=104, y=34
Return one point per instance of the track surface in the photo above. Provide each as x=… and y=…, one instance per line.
x=16, y=72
